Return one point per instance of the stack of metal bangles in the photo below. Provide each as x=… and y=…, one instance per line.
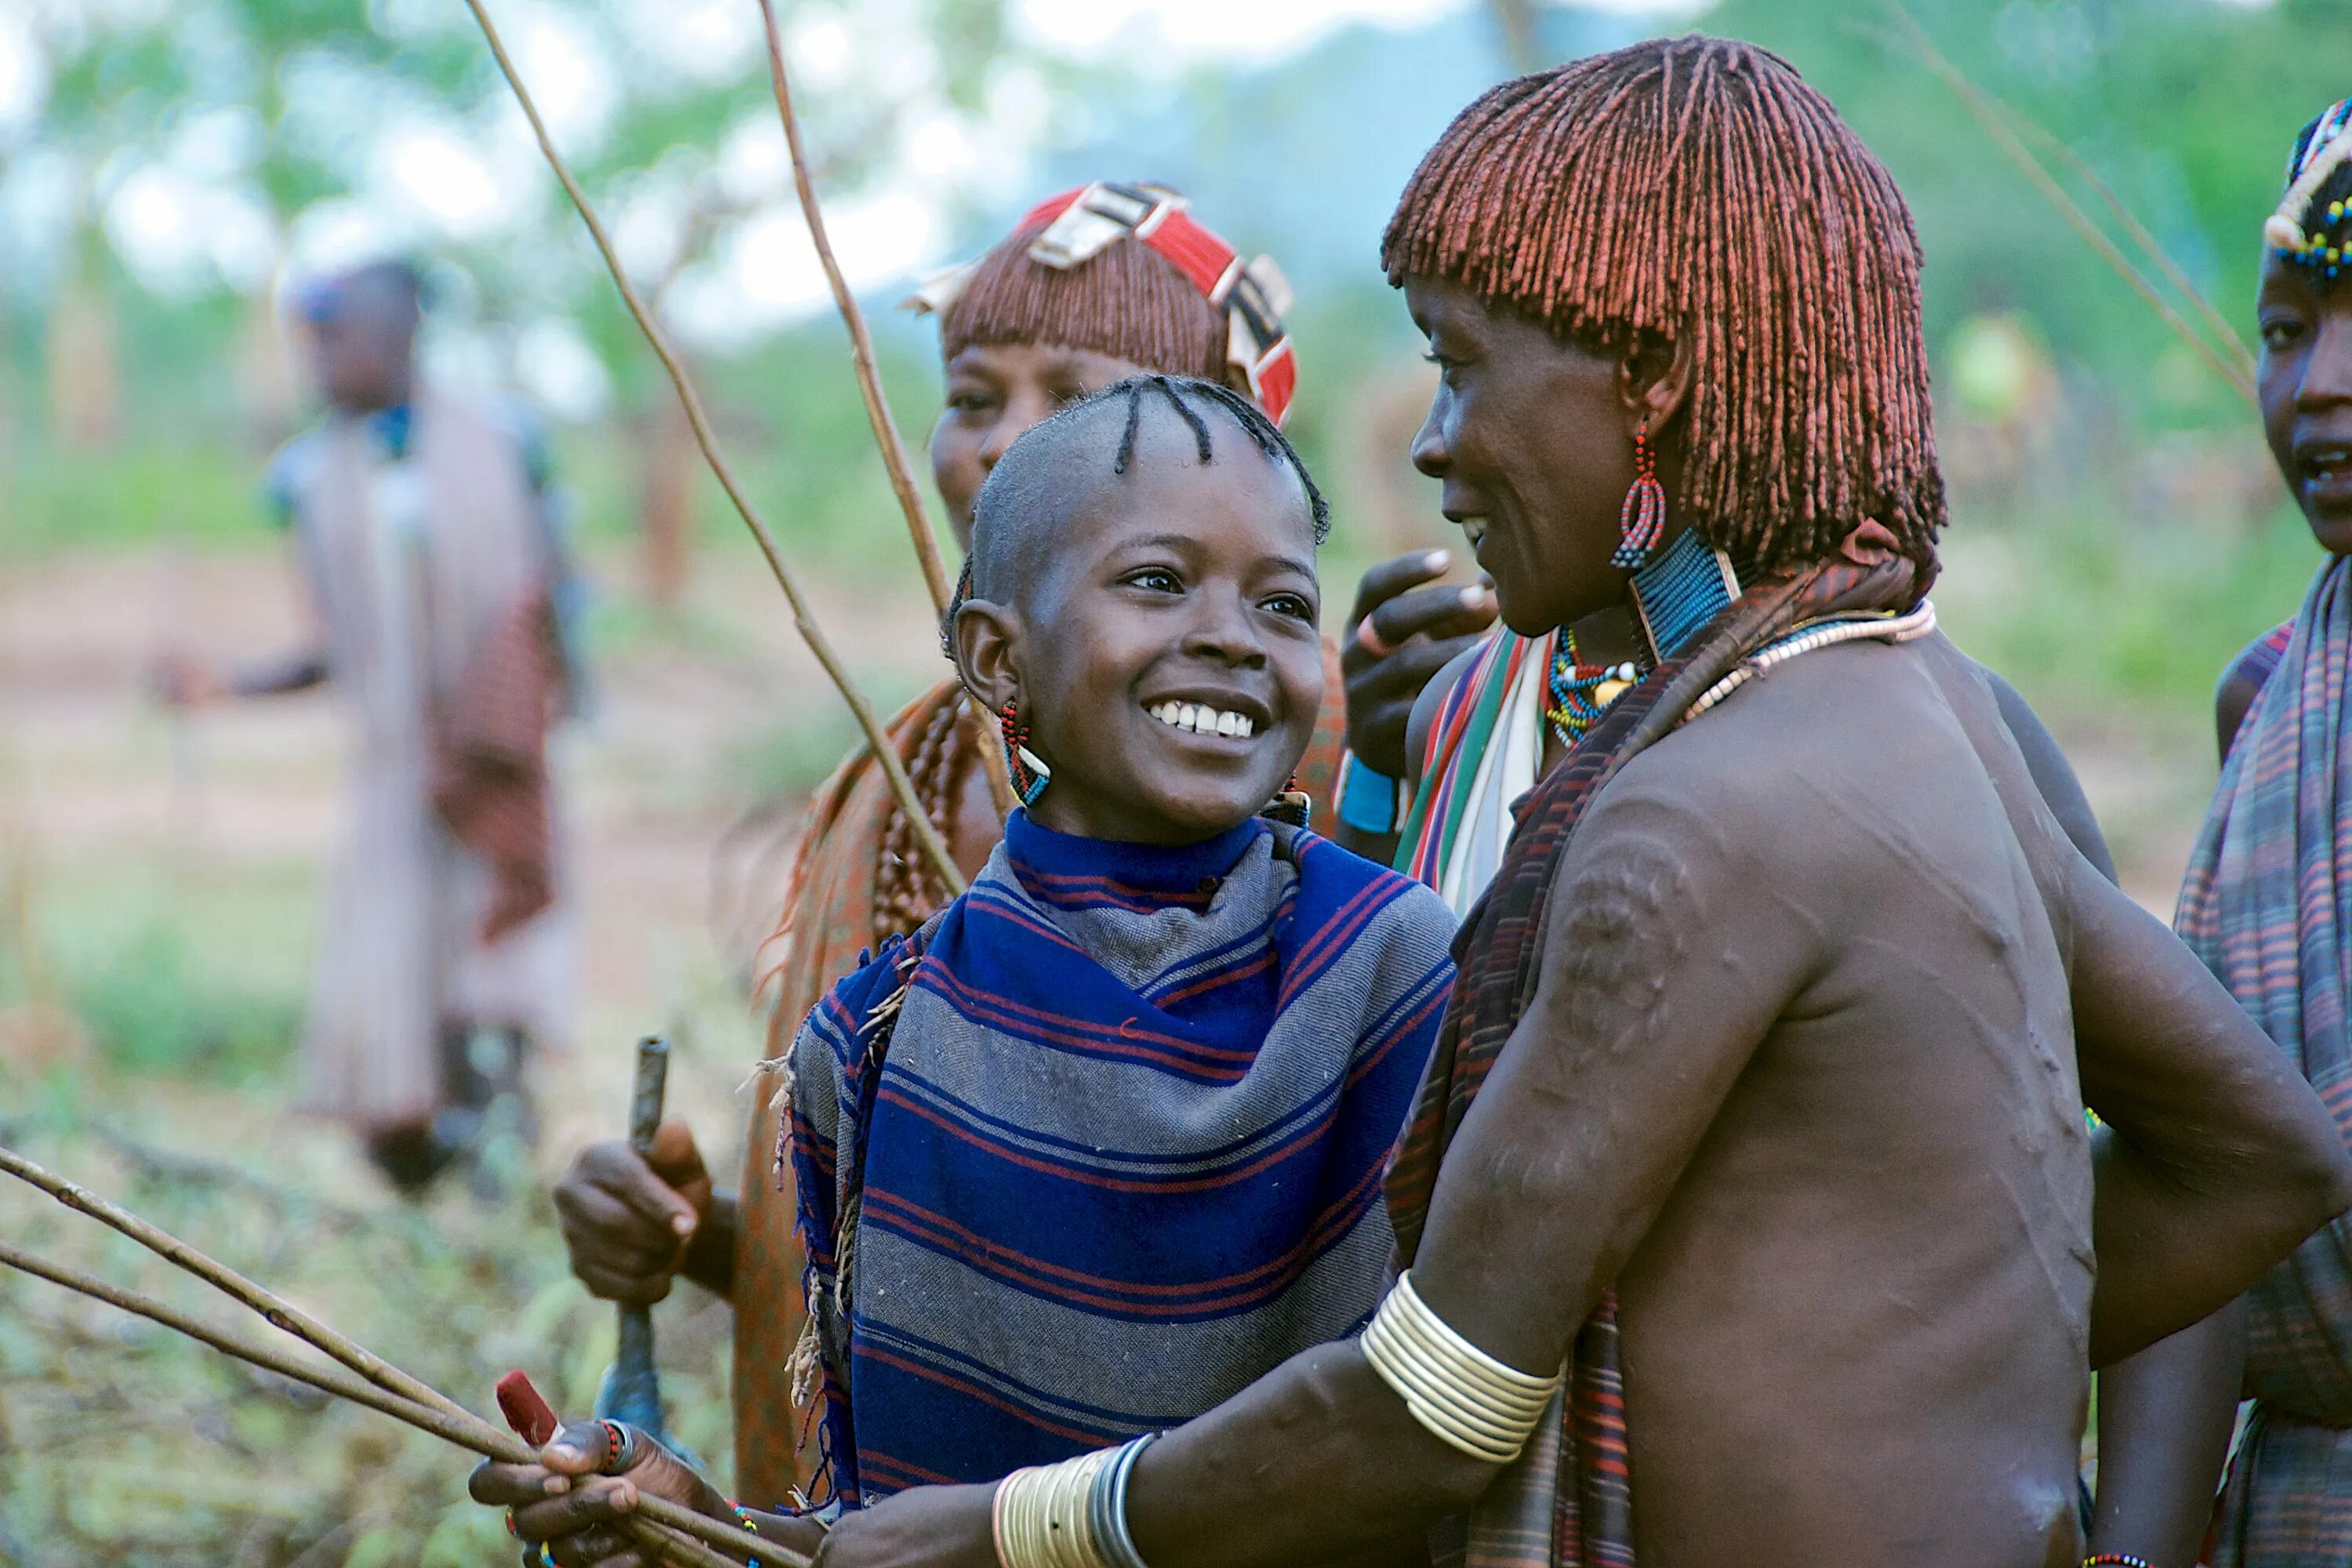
x=1070, y=1515
x=1458, y=1393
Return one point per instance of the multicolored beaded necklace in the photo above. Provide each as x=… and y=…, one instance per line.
x=1581, y=692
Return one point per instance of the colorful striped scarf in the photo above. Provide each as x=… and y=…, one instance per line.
x=1484, y=752
x=2267, y=904
x=1102, y=1144
x=1567, y=1500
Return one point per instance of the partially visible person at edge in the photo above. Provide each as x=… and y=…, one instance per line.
x=1103, y=1142
x=2264, y=902
x=1750, y=1213
x=427, y=536
x=1072, y=301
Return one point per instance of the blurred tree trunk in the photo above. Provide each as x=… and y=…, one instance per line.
x=82, y=392
x=265, y=371
x=1516, y=21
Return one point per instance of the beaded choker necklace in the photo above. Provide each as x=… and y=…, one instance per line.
x=1680, y=590
x=1581, y=693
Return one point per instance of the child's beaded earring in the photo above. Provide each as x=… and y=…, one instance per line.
x=1644, y=515
x=1293, y=806
x=1028, y=769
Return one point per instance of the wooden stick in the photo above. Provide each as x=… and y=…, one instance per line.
x=869, y=383
x=475, y=1437
x=861, y=345
x=387, y=1382
x=2031, y=166
x=279, y=1314
x=804, y=619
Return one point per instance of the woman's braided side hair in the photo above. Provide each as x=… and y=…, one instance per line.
x=907, y=887
x=1698, y=186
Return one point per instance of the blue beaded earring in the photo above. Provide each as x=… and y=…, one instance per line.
x=1642, y=519
x=1027, y=770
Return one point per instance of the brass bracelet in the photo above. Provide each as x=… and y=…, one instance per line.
x=1458, y=1393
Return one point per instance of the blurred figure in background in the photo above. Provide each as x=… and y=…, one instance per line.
x=425, y=537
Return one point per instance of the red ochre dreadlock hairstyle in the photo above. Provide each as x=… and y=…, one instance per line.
x=1127, y=300
x=1698, y=186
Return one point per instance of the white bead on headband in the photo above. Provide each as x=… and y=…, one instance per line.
x=2329, y=147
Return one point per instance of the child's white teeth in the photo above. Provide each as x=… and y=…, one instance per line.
x=1199, y=719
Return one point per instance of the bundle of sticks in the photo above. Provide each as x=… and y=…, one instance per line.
x=668, y=1530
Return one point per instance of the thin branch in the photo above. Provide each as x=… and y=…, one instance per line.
x=886, y=756
x=869, y=383
x=861, y=345
x=2223, y=329
x=474, y=1436
x=388, y=1381
x=1987, y=116
x=279, y=1314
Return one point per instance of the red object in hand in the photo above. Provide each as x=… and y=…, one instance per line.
x=532, y=1418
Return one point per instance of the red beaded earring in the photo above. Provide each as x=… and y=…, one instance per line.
x=1029, y=773
x=1644, y=515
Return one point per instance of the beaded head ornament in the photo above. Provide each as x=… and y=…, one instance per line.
x=2304, y=229
x=1070, y=229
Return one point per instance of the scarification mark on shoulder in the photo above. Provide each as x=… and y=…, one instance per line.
x=1629, y=914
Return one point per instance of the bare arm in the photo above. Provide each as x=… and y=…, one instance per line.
x=2217, y=1159
x=2053, y=777
x=1590, y=1112
x=2164, y=1418
x=2165, y=1414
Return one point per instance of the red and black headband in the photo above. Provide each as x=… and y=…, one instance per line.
x=1078, y=225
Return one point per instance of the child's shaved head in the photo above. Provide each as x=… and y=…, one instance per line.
x=1127, y=578
x=1052, y=470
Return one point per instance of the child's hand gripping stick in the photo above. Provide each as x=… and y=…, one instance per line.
x=632, y=1390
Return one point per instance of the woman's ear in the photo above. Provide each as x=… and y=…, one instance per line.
x=987, y=650
x=1654, y=380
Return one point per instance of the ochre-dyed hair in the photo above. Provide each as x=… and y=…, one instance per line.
x=1698, y=187
x=1127, y=302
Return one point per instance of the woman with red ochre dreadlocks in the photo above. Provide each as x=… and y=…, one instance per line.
x=1750, y=1215
x=1091, y=287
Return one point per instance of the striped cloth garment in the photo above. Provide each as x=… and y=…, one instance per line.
x=2267, y=904
x=1104, y=1143
x=1567, y=1500
x=1483, y=750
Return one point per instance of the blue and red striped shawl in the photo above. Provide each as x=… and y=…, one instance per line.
x=1109, y=1137
x=2268, y=906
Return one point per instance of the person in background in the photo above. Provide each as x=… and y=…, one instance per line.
x=2264, y=900
x=426, y=539
x=1091, y=287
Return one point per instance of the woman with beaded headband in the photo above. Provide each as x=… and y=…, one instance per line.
x=2265, y=898
x=1749, y=1213
x=1092, y=286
